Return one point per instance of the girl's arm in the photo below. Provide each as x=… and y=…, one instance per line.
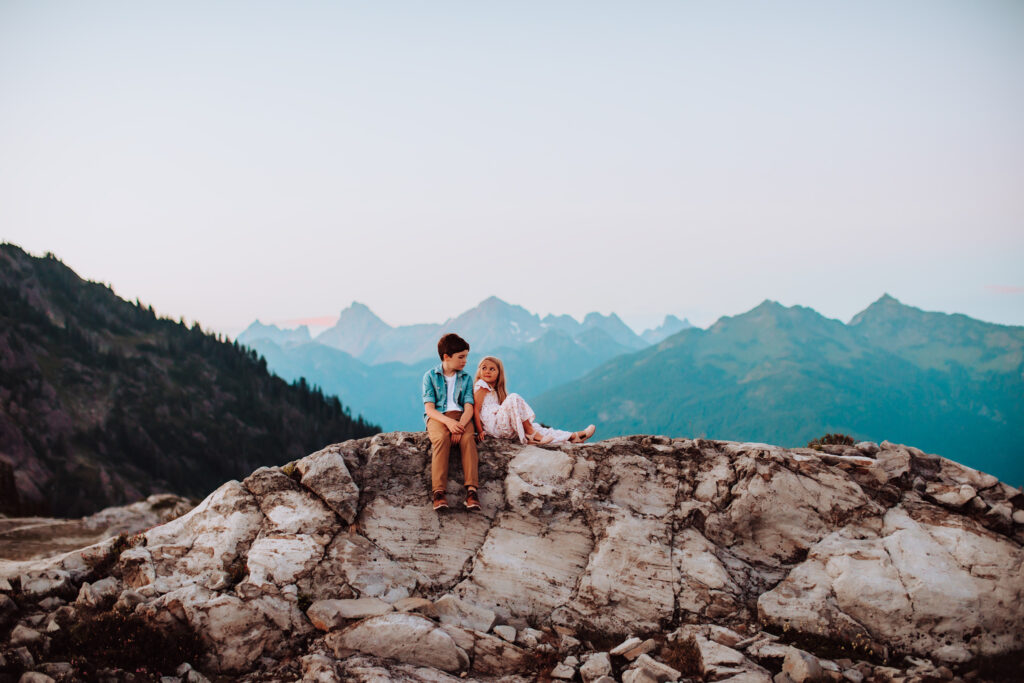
x=478, y=402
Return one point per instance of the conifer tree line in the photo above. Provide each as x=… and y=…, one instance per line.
x=111, y=402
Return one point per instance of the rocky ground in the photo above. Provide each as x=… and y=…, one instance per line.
x=31, y=538
x=635, y=559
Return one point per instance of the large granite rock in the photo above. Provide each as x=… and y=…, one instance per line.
x=902, y=559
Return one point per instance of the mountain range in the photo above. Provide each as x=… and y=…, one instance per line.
x=378, y=368
x=773, y=374
x=777, y=374
x=491, y=324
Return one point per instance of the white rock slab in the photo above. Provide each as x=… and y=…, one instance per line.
x=407, y=638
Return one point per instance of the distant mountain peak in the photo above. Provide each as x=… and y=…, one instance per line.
x=257, y=330
x=669, y=327
x=769, y=304
x=357, y=311
x=885, y=306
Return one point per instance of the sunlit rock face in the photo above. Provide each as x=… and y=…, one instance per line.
x=719, y=559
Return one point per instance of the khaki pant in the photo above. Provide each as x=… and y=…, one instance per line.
x=441, y=444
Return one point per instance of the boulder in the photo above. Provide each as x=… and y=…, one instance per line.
x=595, y=666
x=904, y=576
x=22, y=635
x=625, y=646
x=42, y=584
x=407, y=638
x=802, y=667
x=451, y=610
x=35, y=677
x=660, y=672
x=953, y=495
x=8, y=610
x=326, y=474
x=506, y=632
x=318, y=668
x=331, y=614
x=575, y=548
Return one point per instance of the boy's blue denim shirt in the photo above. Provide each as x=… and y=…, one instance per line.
x=434, y=390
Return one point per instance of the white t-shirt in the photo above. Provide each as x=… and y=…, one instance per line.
x=449, y=384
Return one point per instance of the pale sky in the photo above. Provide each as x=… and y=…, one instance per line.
x=227, y=161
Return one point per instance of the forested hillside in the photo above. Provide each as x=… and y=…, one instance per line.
x=102, y=401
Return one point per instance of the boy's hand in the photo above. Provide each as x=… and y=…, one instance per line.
x=455, y=427
x=456, y=438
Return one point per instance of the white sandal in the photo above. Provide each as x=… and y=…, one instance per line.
x=581, y=437
x=537, y=440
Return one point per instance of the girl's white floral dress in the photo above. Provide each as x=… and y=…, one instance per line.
x=505, y=420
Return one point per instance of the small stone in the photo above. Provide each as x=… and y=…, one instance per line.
x=170, y=679
x=35, y=677
x=456, y=612
x=24, y=636
x=1002, y=512
x=802, y=667
x=782, y=677
x=52, y=627
x=319, y=668
x=39, y=585
x=106, y=588
x=624, y=647
x=638, y=676
x=5, y=585
x=411, y=604
x=327, y=615
x=8, y=610
x=57, y=669
x=87, y=597
x=596, y=666
x=25, y=657
x=572, y=661
x=506, y=632
x=641, y=649
x=128, y=600
x=867, y=447
x=52, y=603
x=564, y=672
x=529, y=637
x=661, y=672
x=724, y=636
x=853, y=675
x=568, y=644
x=194, y=676
x=604, y=679
x=35, y=621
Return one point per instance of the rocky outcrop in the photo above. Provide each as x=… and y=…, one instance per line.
x=633, y=559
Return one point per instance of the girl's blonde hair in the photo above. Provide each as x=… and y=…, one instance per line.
x=499, y=384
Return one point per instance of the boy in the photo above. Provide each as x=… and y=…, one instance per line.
x=448, y=414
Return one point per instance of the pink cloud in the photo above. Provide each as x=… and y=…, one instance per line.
x=1005, y=289
x=323, y=321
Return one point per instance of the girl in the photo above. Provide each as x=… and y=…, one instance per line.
x=507, y=416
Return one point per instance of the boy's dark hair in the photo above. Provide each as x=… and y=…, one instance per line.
x=450, y=344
